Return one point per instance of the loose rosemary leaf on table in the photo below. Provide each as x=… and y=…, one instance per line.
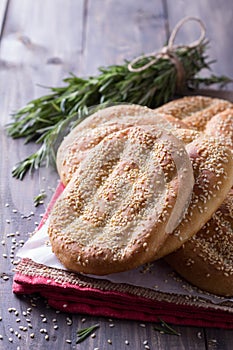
x=48, y=118
x=165, y=328
x=82, y=334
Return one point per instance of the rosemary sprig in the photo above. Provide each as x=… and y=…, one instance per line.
x=39, y=199
x=82, y=334
x=44, y=120
x=165, y=328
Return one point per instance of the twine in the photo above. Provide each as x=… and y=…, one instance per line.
x=169, y=51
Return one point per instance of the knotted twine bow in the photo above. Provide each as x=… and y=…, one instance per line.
x=169, y=51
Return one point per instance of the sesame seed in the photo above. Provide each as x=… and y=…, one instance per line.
x=199, y=335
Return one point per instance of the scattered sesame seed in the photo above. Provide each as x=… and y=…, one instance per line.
x=199, y=335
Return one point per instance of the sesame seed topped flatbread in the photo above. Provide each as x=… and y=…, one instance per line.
x=117, y=209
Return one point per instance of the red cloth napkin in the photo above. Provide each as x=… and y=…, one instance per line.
x=75, y=293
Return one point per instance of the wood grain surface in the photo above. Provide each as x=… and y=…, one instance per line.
x=40, y=43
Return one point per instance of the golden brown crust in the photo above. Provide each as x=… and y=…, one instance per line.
x=92, y=130
x=117, y=209
x=213, y=172
x=195, y=111
x=89, y=133
x=206, y=260
x=221, y=127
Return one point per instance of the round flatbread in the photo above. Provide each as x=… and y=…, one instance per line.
x=195, y=111
x=92, y=130
x=212, y=164
x=206, y=260
x=118, y=208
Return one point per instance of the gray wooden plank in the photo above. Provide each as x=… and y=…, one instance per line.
x=219, y=339
x=3, y=9
x=41, y=44
x=119, y=30
x=218, y=18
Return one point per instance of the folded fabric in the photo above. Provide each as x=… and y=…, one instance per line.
x=76, y=293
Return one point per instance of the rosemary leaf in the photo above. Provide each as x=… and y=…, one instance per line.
x=82, y=334
x=39, y=199
x=47, y=119
x=165, y=328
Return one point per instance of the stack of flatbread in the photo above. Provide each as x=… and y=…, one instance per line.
x=144, y=184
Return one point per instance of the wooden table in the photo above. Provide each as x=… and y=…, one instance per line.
x=40, y=43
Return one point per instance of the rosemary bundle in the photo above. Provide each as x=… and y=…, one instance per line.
x=48, y=118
